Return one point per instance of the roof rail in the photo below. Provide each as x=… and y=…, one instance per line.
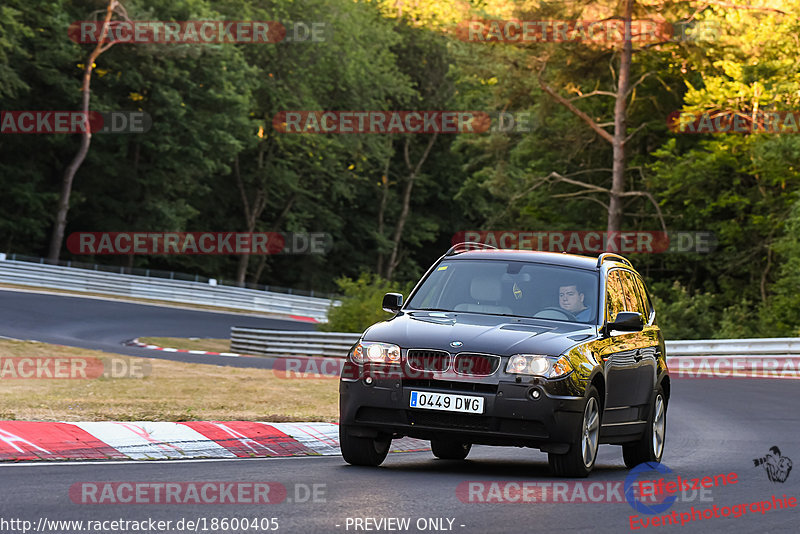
x=611, y=256
x=463, y=247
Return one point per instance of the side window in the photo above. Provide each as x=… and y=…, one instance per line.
x=632, y=302
x=647, y=306
x=615, y=297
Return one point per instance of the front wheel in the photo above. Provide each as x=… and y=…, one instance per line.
x=650, y=448
x=579, y=460
x=450, y=450
x=363, y=451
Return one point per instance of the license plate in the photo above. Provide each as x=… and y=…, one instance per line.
x=446, y=401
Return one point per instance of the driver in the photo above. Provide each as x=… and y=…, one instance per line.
x=570, y=298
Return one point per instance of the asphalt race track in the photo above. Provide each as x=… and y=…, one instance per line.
x=715, y=426
x=105, y=325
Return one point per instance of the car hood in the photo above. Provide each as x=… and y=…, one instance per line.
x=491, y=334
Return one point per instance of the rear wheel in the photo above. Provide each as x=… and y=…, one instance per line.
x=363, y=451
x=579, y=460
x=650, y=448
x=450, y=450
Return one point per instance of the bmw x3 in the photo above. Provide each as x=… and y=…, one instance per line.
x=533, y=349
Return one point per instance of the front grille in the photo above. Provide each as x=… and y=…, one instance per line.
x=449, y=420
x=471, y=364
x=450, y=385
x=428, y=360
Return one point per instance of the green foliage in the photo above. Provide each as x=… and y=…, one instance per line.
x=12, y=32
x=361, y=303
x=684, y=315
x=780, y=315
x=212, y=108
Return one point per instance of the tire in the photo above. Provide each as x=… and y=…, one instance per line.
x=650, y=448
x=363, y=451
x=580, y=459
x=450, y=450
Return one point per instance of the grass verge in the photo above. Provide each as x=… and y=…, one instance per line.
x=170, y=391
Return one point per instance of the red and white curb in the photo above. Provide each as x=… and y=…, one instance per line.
x=303, y=318
x=145, y=440
x=137, y=343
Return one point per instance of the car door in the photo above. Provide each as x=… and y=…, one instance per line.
x=646, y=341
x=619, y=351
x=651, y=348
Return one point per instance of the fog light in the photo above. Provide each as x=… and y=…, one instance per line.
x=368, y=380
x=535, y=394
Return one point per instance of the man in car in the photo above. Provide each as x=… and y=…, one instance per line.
x=570, y=298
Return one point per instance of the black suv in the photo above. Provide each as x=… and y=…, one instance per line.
x=504, y=347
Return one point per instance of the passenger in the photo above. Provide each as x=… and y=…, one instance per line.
x=570, y=298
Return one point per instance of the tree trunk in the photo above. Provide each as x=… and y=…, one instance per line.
x=381, y=212
x=275, y=226
x=620, y=127
x=398, y=229
x=251, y=215
x=241, y=269
x=57, y=238
x=401, y=221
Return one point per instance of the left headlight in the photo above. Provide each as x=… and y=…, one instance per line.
x=371, y=351
x=539, y=365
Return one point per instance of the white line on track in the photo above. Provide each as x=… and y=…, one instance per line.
x=152, y=462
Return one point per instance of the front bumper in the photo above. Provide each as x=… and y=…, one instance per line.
x=511, y=416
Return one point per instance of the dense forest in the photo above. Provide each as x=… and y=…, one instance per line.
x=593, y=147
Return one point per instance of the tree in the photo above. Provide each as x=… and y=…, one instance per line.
x=103, y=44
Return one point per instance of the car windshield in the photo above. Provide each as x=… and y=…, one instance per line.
x=515, y=288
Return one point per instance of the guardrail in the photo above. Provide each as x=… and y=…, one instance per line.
x=169, y=275
x=736, y=358
x=289, y=343
x=774, y=346
x=179, y=291
x=755, y=358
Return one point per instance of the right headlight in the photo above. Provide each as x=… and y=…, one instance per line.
x=539, y=365
x=370, y=351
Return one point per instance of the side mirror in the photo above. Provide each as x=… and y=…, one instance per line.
x=626, y=322
x=392, y=302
